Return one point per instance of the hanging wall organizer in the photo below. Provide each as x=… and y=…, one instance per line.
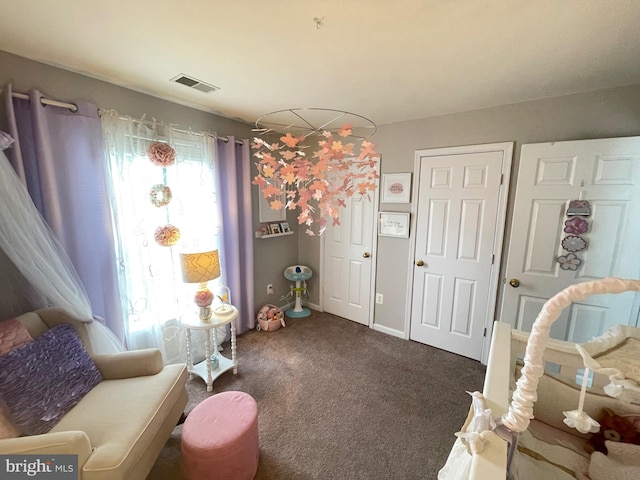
x=575, y=226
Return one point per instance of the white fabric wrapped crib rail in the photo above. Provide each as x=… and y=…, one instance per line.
x=491, y=461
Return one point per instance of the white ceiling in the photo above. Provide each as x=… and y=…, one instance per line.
x=388, y=60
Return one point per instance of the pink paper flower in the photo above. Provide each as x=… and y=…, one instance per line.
x=161, y=154
x=167, y=235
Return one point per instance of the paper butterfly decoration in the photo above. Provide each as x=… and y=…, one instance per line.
x=317, y=186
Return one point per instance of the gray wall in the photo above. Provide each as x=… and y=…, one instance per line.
x=271, y=256
x=601, y=114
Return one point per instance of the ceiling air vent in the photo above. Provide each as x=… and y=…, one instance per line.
x=193, y=83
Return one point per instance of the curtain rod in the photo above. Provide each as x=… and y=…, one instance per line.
x=46, y=101
x=74, y=108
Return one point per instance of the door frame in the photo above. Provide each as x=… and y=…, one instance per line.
x=374, y=253
x=507, y=159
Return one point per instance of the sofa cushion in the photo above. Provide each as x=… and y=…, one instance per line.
x=42, y=380
x=7, y=429
x=132, y=415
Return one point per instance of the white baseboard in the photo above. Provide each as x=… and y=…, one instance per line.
x=312, y=306
x=388, y=331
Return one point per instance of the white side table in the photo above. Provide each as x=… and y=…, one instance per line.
x=203, y=369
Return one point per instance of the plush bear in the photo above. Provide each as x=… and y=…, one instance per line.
x=615, y=428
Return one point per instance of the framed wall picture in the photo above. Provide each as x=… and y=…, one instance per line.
x=393, y=224
x=268, y=214
x=284, y=226
x=396, y=188
x=274, y=228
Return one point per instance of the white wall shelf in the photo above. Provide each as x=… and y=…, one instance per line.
x=272, y=235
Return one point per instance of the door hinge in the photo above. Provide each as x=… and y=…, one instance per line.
x=484, y=333
x=493, y=258
x=501, y=178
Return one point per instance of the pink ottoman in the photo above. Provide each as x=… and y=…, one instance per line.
x=220, y=438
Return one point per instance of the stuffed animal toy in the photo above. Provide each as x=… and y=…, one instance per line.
x=615, y=428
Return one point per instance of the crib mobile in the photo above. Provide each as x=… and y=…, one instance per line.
x=603, y=355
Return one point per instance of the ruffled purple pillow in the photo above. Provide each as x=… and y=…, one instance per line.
x=44, y=379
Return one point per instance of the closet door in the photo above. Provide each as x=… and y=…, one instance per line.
x=459, y=228
x=604, y=172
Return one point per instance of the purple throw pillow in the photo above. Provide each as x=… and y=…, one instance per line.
x=44, y=379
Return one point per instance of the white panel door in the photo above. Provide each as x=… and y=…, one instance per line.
x=460, y=202
x=605, y=172
x=348, y=257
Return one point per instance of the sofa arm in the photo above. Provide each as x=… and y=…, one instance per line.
x=134, y=363
x=56, y=443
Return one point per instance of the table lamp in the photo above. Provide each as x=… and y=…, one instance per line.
x=200, y=268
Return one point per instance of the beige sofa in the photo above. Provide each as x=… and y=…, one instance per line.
x=119, y=428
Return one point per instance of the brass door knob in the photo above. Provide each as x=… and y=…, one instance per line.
x=514, y=282
x=420, y=263
x=366, y=254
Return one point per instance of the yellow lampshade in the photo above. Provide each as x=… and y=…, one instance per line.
x=200, y=267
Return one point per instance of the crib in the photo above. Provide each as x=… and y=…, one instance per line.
x=525, y=424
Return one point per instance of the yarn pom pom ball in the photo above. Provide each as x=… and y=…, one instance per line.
x=167, y=235
x=161, y=154
x=160, y=195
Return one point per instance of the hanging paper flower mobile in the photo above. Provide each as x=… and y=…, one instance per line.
x=161, y=154
x=317, y=186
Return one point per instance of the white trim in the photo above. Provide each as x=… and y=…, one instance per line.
x=321, y=275
x=412, y=243
x=507, y=159
x=389, y=331
x=501, y=221
x=374, y=250
x=312, y=306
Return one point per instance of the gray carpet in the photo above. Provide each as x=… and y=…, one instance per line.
x=337, y=400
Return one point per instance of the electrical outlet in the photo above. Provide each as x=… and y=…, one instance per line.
x=269, y=288
x=379, y=298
